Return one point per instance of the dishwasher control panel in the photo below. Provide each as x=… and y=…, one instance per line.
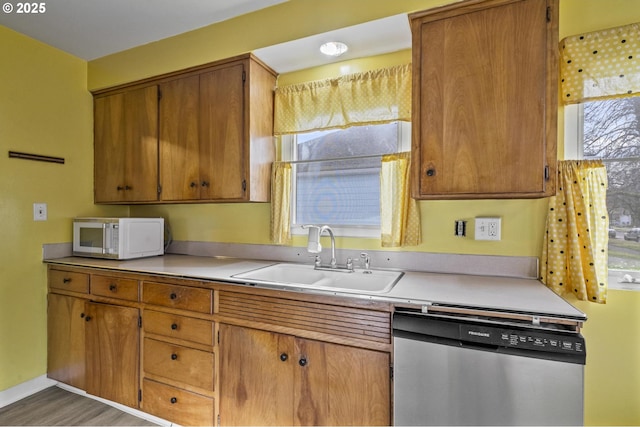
x=524, y=339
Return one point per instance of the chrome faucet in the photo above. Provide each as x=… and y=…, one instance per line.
x=314, y=246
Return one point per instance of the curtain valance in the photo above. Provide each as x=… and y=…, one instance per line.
x=372, y=97
x=601, y=64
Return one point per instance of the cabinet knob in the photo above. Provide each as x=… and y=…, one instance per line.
x=87, y=318
x=431, y=172
x=193, y=184
x=173, y=296
x=302, y=362
x=284, y=357
x=119, y=188
x=174, y=356
x=113, y=287
x=173, y=400
x=174, y=326
x=205, y=183
x=81, y=315
x=128, y=187
x=66, y=280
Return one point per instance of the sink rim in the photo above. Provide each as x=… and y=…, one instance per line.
x=320, y=284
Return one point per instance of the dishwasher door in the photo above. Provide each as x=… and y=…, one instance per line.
x=445, y=381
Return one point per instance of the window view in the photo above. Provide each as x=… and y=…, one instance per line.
x=337, y=175
x=612, y=133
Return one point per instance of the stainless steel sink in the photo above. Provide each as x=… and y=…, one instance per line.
x=302, y=275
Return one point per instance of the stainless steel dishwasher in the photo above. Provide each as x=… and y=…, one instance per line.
x=459, y=369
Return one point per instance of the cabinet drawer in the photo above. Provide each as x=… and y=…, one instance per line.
x=178, y=406
x=69, y=281
x=114, y=287
x=176, y=326
x=178, y=363
x=176, y=296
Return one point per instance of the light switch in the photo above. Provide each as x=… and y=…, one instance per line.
x=39, y=211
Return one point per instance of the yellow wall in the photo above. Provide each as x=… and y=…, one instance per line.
x=45, y=108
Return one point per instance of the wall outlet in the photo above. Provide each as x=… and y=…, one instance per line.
x=39, y=211
x=488, y=228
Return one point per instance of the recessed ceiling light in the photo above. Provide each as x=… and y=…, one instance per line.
x=333, y=48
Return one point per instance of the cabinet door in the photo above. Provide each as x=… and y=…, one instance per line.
x=485, y=101
x=340, y=385
x=126, y=146
x=112, y=351
x=256, y=377
x=65, y=340
x=222, y=134
x=179, y=140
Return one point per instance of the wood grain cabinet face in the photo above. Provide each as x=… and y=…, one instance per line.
x=485, y=100
x=179, y=327
x=64, y=280
x=177, y=296
x=112, y=352
x=66, y=340
x=179, y=406
x=293, y=381
x=126, y=146
x=114, y=287
x=200, y=135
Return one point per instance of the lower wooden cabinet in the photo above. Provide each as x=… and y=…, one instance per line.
x=65, y=340
x=112, y=352
x=267, y=378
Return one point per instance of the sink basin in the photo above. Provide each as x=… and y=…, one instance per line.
x=302, y=275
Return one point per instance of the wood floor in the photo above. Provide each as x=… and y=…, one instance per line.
x=55, y=407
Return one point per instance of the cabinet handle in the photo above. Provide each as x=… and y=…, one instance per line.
x=81, y=315
x=66, y=280
x=205, y=183
x=173, y=296
x=174, y=356
x=113, y=288
x=173, y=400
x=119, y=188
x=431, y=172
x=284, y=357
x=128, y=187
x=87, y=318
x=302, y=362
x=193, y=184
x=174, y=326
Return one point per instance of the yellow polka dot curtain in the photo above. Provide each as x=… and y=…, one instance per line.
x=575, y=247
x=281, y=203
x=372, y=97
x=399, y=213
x=600, y=65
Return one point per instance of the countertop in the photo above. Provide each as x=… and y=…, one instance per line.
x=516, y=295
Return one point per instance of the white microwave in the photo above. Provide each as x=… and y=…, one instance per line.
x=118, y=238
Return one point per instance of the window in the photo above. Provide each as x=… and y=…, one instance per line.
x=610, y=130
x=336, y=178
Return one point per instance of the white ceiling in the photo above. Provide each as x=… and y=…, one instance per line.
x=90, y=29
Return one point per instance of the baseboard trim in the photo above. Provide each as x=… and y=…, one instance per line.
x=135, y=412
x=25, y=389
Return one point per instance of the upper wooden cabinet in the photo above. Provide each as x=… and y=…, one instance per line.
x=485, y=100
x=126, y=146
x=213, y=137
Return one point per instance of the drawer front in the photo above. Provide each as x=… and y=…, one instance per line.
x=176, y=326
x=114, y=287
x=176, y=296
x=69, y=281
x=176, y=405
x=178, y=363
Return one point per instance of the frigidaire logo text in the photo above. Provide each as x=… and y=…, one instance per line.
x=479, y=334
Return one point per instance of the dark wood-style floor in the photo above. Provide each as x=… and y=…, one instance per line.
x=56, y=407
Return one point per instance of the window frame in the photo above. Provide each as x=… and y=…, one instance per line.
x=289, y=154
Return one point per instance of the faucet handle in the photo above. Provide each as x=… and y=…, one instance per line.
x=366, y=260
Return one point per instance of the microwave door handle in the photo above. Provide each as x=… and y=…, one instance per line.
x=105, y=249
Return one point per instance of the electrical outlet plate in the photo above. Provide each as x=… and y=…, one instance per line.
x=488, y=228
x=39, y=211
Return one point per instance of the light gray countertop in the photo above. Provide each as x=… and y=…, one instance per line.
x=517, y=295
